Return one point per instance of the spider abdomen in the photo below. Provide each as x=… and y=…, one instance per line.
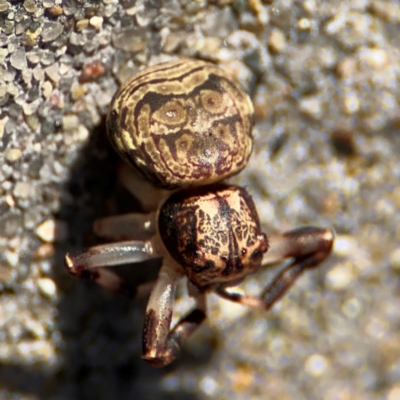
x=214, y=233
x=182, y=123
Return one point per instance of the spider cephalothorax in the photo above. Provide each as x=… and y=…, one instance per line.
x=214, y=233
x=184, y=126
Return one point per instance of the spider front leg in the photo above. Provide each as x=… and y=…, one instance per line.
x=91, y=265
x=161, y=345
x=308, y=247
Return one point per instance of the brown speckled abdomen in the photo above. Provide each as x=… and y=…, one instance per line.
x=182, y=123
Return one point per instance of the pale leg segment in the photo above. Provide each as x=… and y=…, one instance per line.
x=91, y=264
x=133, y=226
x=308, y=247
x=148, y=196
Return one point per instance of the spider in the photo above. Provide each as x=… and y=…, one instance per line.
x=184, y=127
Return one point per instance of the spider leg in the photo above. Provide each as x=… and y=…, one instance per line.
x=161, y=345
x=149, y=196
x=91, y=264
x=308, y=247
x=126, y=226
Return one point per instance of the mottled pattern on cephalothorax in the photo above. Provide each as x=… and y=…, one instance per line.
x=214, y=233
x=182, y=123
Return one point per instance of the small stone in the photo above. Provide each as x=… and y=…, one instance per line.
x=77, y=39
x=35, y=328
x=33, y=56
x=24, y=190
x=30, y=6
x=70, y=122
x=394, y=393
x=277, y=41
x=51, y=31
x=345, y=245
x=13, y=155
x=6, y=273
x=47, y=57
x=309, y=6
x=38, y=73
x=44, y=251
x=29, y=39
x=36, y=351
x=10, y=224
x=339, y=277
x=131, y=40
x=31, y=108
x=49, y=3
x=92, y=71
x=352, y=308
x=4, y=5
x=394, y=259
x=82, y=24
x=77, y=91
x=12, y=258
x=47, y=89
x=96, y=22
x=32, y=121
x=351, y=103
x=172, y=42
x=376, y=59
x=8, y=27
x=23, y=25
x=82, y=134
x=311, y=106
x=316, y=365
x=47, y=287
x=52, y=230
x=3, y=54
x=304, y=24
x=52, y=72
x=18, y=59
x=55, y=11
x=12, y=89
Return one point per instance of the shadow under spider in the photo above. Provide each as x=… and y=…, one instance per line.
x=100, y=331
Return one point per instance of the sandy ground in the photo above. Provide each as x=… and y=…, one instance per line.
x=325, y=80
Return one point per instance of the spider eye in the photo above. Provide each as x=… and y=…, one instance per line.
x=256, y=254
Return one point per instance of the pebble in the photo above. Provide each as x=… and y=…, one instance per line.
x=70, y=122
x=44, y=251
x=35, y=352
x=394, y=259
x=30, y=6
x=339, y=277
x=18, y=59
x=52, y=71
x=311, y=106
x=13, y=155
x=47, y=89
x=51, y=30
x=47, y=287
x=35, y=328
x=55, y=11
x=4, y=5
x=345, y=245
x=24, y=190
x=316, y=365
x=394, y=393
x=351, y=103
x=82, y=24
x=277, y=41
x=52, y=230
x=96, y=22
